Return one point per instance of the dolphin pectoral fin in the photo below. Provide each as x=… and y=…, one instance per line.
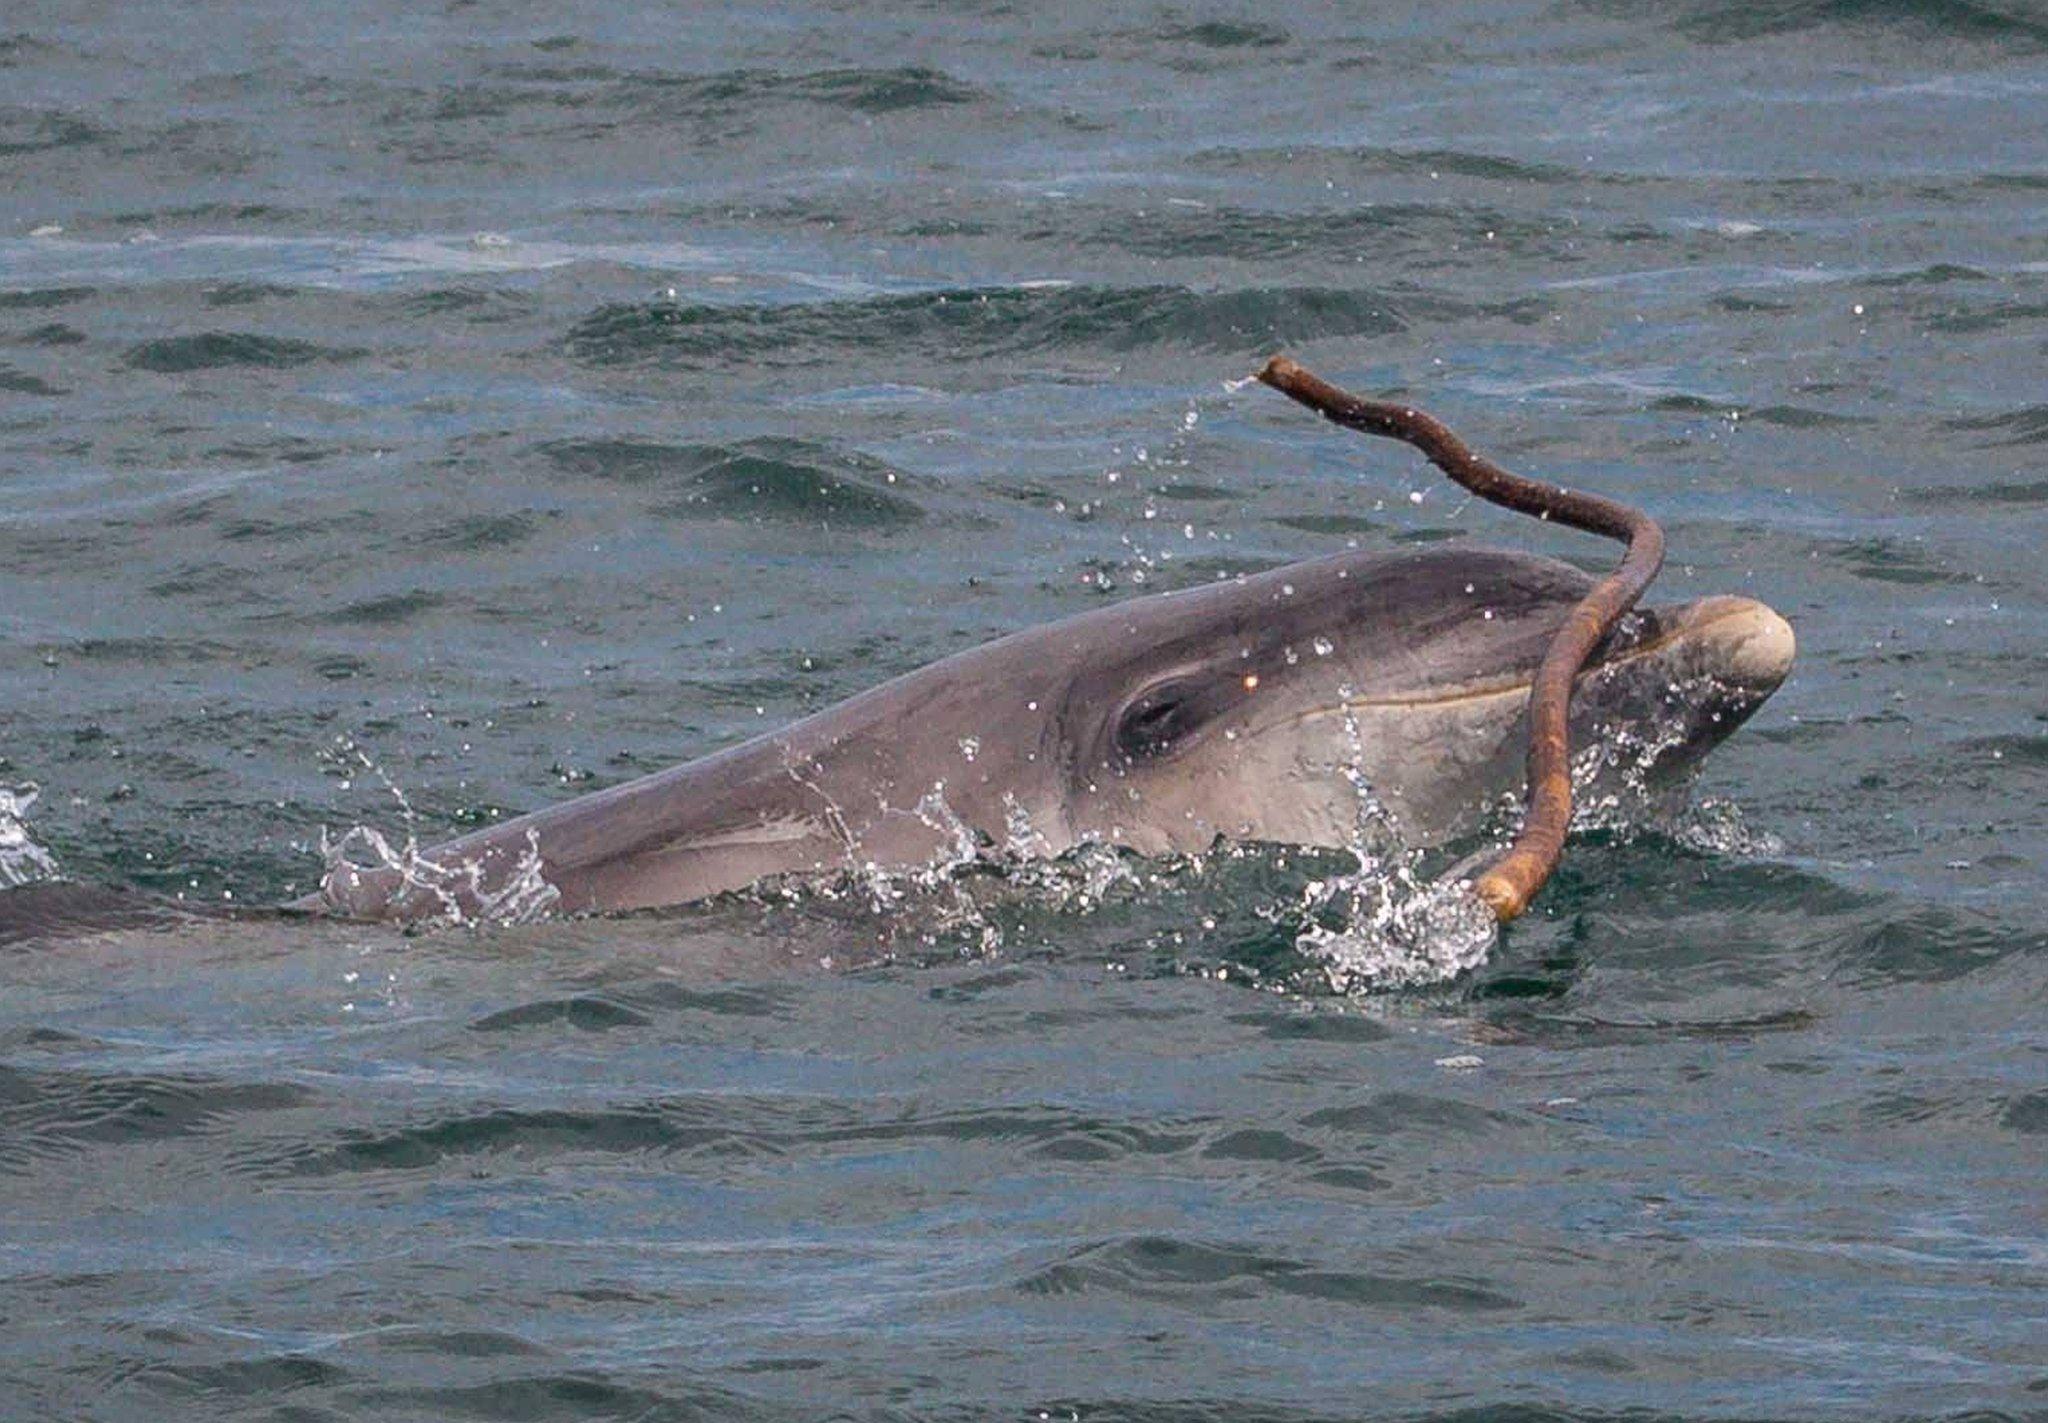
x=766, y=833
x=700, y=865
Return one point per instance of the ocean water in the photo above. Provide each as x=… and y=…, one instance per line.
x=415, y=414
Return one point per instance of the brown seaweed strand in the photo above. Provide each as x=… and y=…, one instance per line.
x=1512, y=881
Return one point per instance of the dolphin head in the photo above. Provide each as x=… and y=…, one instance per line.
x=1317, y=702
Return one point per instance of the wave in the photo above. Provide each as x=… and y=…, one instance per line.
x=712, y=1128
x=978, y=324
x=585, y=1012
x=2027, y=425
x=477, y=533
x=1979, y=20
x=766, y=480
x=43, y=298
x=1997, y=491
x=1420, y=236
x=388, y=609
x=1171, y=1269
x=19, y=382
x=56, y=1113
x=1227, y=34
x=213, y=350
x=576, y=1395
x=732, y=97
x=24, y=131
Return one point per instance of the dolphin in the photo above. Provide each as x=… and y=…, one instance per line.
x=1295, y=706
x=1323, y=704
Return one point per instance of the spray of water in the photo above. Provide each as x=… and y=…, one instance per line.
x=1382, y=924
x=1387, y=922
x=22, y=860
x=459, y=888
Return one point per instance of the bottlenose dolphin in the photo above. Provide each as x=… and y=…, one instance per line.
x=1265, y=708
x=1316, y=704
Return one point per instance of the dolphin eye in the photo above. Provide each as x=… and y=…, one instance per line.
x=1160, y=718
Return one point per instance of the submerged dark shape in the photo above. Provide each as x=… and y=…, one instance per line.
x=57, y=909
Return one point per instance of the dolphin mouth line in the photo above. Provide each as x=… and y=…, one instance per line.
x=1733, y=609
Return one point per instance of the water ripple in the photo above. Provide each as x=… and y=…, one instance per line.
x=780, y=480
x=49, y=1113
x=1197, y=1275
x=212, y=350
x=977, y=324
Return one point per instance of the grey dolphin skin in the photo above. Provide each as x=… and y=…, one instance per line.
x=1253, y=709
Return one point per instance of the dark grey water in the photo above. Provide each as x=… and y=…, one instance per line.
x=527, y=399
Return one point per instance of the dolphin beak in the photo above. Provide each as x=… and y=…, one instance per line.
x=1700, y=671
x=1739, y=642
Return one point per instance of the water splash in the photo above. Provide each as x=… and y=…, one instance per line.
x=1394, y=919
x=1612, y=787
x=460, y=889
x=1716, y=826
x=931, y=904
x=1387, y=924
x=1396, y=930
x=22, y=860
x=1621, y=782
x=962, y=847
x=1090, y=875
x=1383, y=925
x=1151, y=543
x=960, y=898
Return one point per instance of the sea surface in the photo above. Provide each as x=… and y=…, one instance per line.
x=412, y=414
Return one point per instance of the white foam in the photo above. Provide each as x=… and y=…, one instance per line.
x=22, y=860
x=458, y=887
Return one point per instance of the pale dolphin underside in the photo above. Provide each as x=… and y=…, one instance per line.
x=1263, y=708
